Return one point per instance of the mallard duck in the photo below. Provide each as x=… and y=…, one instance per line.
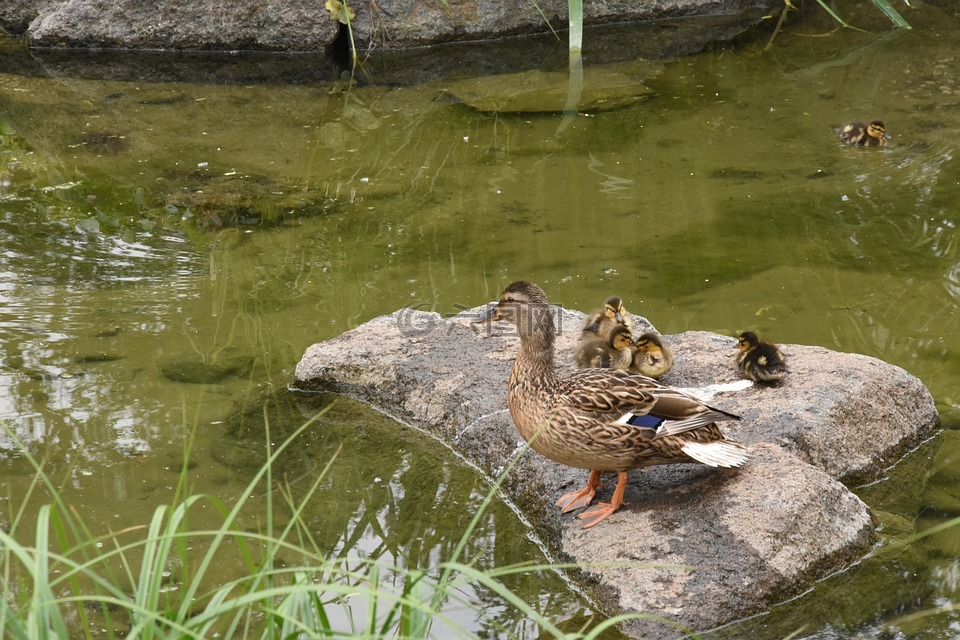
x=601, y=419
x=615, y=352
x=872, y=134
x=759, y=361
x=652, y=357
x=601, y=323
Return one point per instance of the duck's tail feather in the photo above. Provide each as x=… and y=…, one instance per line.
x=719, y=453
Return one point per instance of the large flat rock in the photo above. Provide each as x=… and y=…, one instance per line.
x=696, y=545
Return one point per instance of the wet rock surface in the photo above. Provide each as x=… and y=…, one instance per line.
x=736, y=541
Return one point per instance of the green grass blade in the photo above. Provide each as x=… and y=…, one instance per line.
x=575, y=21
x=895, y=17
x=190, y=593
x=48, y=619
x=545, y=20
x=835, y=16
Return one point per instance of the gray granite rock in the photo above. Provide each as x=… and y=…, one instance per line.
x=849, y=414
x=745, y=539
x=273, y=25
x=299, y=25
x=403, y=23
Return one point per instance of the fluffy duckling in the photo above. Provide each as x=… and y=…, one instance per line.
x=616, y=352
x=652, y=358
x=872, y=134
x=601, y=419
x=759, y=361
x=601, y=323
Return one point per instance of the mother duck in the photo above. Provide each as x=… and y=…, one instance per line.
x=601, y=419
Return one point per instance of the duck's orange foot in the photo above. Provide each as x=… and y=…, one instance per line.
x=582, y=498
x=597, y=514
x=603, y=509
x=576, y=499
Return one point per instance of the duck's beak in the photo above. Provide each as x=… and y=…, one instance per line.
x=619, y=317
x=887, y=136
x=492, y=315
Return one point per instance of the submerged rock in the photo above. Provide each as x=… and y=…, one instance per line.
x=604, y=89
x=194, y=371
x=745, y=539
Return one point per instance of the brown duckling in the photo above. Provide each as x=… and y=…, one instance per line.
x=601, y=323
x=872, y=134
x=601, y=419
x=652, y=358
x=759, y=361
x=615, y=352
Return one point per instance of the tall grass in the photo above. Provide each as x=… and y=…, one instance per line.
x=147, y=582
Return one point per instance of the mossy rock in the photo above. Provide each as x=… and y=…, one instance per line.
x=192, y=371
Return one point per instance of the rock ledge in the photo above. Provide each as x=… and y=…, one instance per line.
x=746, y=538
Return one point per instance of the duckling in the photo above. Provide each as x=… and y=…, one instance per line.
x=873, y=134
x=759, y=361
x=616, y=352
x=601, y=323
x=652, y=358
x=601, y=419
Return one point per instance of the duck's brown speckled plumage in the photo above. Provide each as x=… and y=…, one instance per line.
x=584, y=419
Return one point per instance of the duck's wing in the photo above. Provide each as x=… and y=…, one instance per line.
x=637, y=401
x=606, y=391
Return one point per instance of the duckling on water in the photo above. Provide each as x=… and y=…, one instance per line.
x=601, y=323
x=759, y=361
x=601, y=419
x=615, y=352
x=872, y=134
x=652, y=357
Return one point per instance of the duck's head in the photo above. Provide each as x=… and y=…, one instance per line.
x=517, y=304
x=747, y=340
x=621, y=337
x=613, y=309
x=649, y=342
x=878, y=130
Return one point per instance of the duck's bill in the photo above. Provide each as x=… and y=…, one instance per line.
x=491, y=315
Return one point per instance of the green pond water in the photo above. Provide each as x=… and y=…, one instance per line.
x=170, y=249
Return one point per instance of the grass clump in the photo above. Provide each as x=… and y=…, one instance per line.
x=160, y=579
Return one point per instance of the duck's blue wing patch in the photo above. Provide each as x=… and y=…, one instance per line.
x=646, y=421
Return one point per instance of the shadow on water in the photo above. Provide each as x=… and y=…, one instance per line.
x=174, y=242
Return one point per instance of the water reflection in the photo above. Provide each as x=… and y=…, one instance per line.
x=405, y=506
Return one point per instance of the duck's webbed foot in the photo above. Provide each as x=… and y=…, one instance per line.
x=581, y=498
x=604, y=509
